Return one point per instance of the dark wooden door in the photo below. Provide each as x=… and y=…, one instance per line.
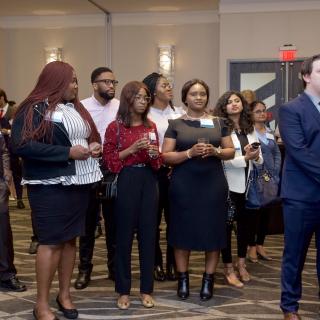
x=274, y=82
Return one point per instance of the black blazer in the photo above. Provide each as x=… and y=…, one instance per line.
x=43, y=159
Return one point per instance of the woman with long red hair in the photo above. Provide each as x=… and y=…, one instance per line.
x=58, y=142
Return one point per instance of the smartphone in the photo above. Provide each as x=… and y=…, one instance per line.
x=255, y=145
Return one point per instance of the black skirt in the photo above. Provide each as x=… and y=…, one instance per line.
x=58, y=211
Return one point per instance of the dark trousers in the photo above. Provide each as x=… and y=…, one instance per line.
x=258, y=226
x=135, y=209
x=7, y=268
x=163, y=183
x=86, y=243
x=301, y=221
x=243, y=229
x=15, y=165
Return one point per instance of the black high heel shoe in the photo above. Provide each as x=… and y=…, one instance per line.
x=206, y=291
x=67, y=313
x=183, y=285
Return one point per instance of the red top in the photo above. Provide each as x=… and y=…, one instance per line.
x=127, y=136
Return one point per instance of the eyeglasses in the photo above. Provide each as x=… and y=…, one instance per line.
x=259, y=111
x=147, y=99
x=108, y=82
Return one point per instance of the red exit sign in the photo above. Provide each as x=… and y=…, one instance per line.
x=288, y=53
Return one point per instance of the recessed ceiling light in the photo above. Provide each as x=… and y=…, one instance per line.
x=48, y=12
x=163, y=8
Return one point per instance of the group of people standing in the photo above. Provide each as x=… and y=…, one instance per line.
x=183, y=162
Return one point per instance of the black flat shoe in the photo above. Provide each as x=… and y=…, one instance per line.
x=158, y=273
x=12, y=284
x=20, y=204
x=67, y=313
x=35, y=315
x=82, y=280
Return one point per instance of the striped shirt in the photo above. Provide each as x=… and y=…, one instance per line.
x=87, y=171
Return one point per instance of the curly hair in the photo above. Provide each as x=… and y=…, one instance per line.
x=245, y=121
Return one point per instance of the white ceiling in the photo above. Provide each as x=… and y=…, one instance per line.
x=76, y=7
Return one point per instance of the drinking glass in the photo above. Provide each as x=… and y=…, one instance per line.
x=203, y=140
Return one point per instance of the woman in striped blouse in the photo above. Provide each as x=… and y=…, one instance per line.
x=58, y=142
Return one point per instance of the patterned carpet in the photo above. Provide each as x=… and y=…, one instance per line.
x=258, y=300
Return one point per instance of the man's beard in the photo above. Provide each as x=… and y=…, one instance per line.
x=106, y=96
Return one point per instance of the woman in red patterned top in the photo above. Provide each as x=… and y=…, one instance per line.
x=131, y=148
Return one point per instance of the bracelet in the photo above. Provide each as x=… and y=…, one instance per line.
x=188, y=154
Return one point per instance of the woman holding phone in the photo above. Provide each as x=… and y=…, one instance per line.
x=232, y=106
x=272, y=163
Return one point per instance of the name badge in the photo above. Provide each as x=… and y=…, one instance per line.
x=56, y=116
x=152, y=136
x=206, y=123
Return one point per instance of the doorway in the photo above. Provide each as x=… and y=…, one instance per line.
x=273, y=82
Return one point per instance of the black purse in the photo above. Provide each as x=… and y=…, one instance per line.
x=107, y=188
x=231, y=215
x=231, y=211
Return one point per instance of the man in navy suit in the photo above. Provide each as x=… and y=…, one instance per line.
x=299, y=122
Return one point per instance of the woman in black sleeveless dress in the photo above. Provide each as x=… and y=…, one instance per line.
x=194, y=145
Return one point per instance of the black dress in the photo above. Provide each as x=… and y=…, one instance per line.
x=198, y=190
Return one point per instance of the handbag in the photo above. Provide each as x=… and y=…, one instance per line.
x=262, y=188
x=107, y=188
x=231, y=213
x=231, y=209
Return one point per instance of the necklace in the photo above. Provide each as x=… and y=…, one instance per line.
x=195, y=118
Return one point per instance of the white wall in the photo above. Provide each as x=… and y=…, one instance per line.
x=196, y=49
x=259, y=36
x=134, y=54
x=83, y=48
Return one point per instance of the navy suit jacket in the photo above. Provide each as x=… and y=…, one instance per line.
x=299, y=123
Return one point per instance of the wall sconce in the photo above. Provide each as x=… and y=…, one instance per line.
x=166, y=61
x=53, y=54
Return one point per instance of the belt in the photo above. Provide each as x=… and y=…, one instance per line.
x=139, y=165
